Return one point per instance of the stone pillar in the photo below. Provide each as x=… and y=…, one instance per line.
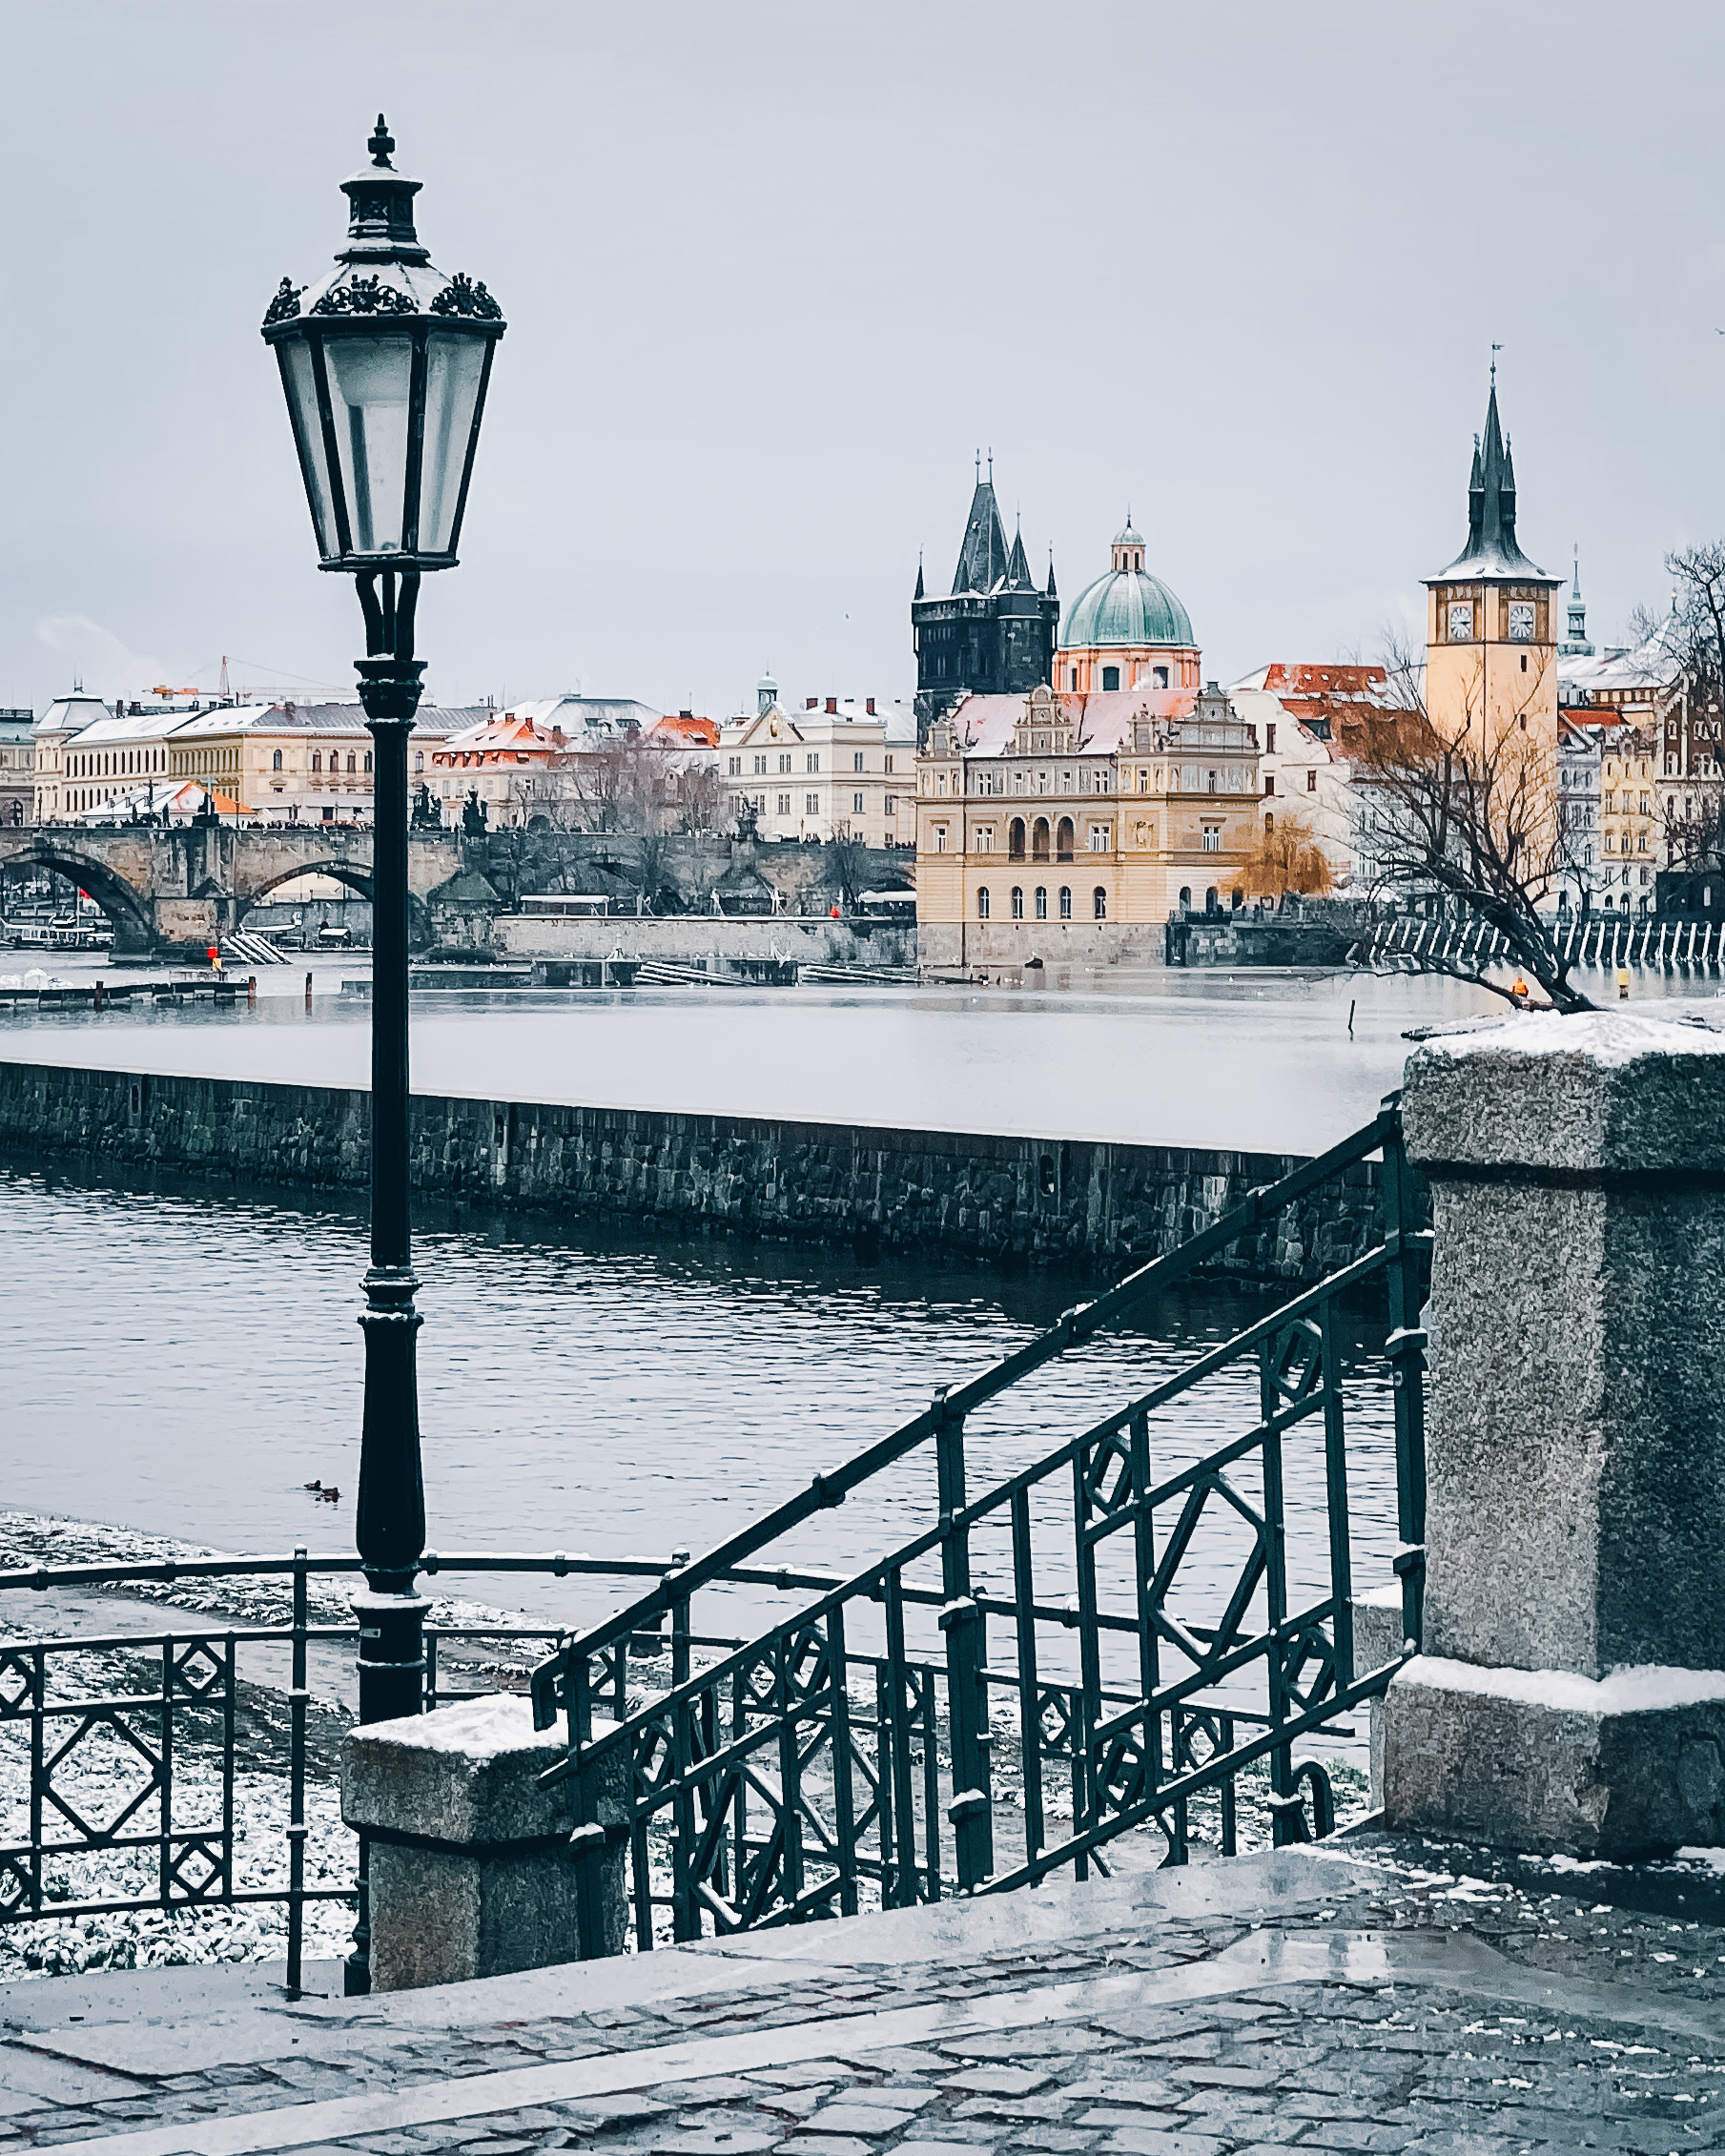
x=1571, y=1695
x=472, y=1872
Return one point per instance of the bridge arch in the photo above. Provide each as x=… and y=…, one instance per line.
x=358, y=879
x=124, y=904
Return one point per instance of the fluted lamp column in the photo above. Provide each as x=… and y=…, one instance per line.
x=385, y=363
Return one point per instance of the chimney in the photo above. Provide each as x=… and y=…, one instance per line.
x=870, y=706
x=685, y=714
x=809, y=703
x=831, y=705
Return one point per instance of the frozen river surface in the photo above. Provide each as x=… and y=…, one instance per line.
x=1243, y=1061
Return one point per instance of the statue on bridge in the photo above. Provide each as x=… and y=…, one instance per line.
x=473, y=813
x=427, y=811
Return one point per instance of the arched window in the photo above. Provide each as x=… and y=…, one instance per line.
x=1014, y=838
x=1269, y=823
x=1041, y=901
x=1099, y=900
x=350, y=761
x=1066, y=901
x=316, y=759
x=1018, y=903
x=419, y=759
x=1038, y=839
x=1063, y=840
x=1185, y=895
x=276, y=761
x=1111, y=677
x=982, y=903
x=1210, y=899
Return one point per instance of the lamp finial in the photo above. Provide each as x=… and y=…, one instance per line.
x=381, y=145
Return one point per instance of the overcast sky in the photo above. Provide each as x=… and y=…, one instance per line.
x=773, y=272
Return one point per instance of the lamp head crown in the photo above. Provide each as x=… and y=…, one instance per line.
x=381, y=145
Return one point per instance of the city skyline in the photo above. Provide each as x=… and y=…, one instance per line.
x=768, y=298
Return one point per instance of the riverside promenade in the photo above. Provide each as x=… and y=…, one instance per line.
x=1370, y=1994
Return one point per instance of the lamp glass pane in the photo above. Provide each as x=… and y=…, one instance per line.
x=453, y=365
x=370, y=379
x=301, y=381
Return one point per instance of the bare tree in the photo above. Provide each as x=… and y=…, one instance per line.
x=1468, y=814
x=699, y=796
x=846, y=861
x=1288, y=857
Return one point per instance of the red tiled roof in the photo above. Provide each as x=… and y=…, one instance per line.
x=680, y=730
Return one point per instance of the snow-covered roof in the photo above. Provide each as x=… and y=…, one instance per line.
x=984, y=725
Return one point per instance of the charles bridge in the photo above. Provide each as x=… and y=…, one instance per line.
x=185, y=887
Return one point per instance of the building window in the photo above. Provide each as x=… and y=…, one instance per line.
x=1041, y=901
x=1212, y=838
x=350, y=761
x=811, y=804
x=1160, y=676
x=1098, y=838
x=1099, y=903
x=856, y=760
x=891, y=808
x=1111, y=678
x=889, y=766
x=1072, y=677
x=857, y=803
x=784, y=804
x=418, y=760
x=784, y=762
x=316, y=759
x=1269, y=742
x=1311, y=780
x=982, y=903
x=276, y=761
x=1066, y=901
x=1018, y=903
x=1269, y=782
x=814, y=761
x=940, y=838
x=736, y=767
x=985, y=838
x=760, y=767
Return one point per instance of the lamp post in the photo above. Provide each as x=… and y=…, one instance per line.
x=385, y=364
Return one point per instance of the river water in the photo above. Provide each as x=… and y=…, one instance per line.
x=182, y=1362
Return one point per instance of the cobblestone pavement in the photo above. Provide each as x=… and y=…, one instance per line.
x=1372, y=1996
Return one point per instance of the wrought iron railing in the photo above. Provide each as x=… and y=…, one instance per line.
x=852, y=1752
x=828, y=1760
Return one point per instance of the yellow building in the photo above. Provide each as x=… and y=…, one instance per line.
x=1068, y=827
x=1629, y=823
x=1490, y=619
x=272, y=763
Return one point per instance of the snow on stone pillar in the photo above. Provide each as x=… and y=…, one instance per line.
x=472, y=1873
x=1571, y=1695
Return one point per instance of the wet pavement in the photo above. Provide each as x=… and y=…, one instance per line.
x=1375, y=1995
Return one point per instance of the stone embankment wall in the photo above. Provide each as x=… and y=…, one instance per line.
x=1066, y=1203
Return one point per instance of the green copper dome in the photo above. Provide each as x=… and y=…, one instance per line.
x=1126, y=607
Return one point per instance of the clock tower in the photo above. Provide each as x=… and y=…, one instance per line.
x=1491, y=616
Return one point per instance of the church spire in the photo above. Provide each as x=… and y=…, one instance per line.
x=1051, y=592
x=982, y=558
x=917, y=594
x=1017, y=569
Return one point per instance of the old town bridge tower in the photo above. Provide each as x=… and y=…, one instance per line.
x=993, y=633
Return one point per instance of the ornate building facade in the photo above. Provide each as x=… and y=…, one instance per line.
x=994, y=632
x=1067, y=826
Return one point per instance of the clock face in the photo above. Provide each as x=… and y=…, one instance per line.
x=1521, y=623
x=1461, y=623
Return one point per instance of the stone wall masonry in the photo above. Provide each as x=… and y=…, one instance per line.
x=1079, y=1204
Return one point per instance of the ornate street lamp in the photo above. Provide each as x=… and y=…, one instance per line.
x=385, y=364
